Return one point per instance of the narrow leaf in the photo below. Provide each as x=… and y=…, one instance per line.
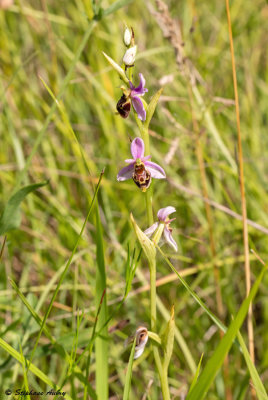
x=118, y=69
x=31, y=367
x=215, y=362
x=101, y=343
x=31, y=310
x=168, y=339
x=66, y=267
x=151, y=107
x=129, y=373
x=11, y=216
x=196, y=374
x=193, y=294
x=25, y=374
x=116, y=6
x=258, y=385
x=146, y=244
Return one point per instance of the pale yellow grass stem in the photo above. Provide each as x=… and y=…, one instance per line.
x=243, y=197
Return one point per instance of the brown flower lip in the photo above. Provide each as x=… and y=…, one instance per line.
x=123, y=106
x=141, y=176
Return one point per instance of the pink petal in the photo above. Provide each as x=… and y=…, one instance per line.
x=125, y=173
x=169, y=239
x=152, y=229
x=139, y=90
x=130, y=161
x=132, y=87
x=137, y=148
x=138, y=352
x=139, y=107
x=145, y=158
x=156, y=171
x=163, y=213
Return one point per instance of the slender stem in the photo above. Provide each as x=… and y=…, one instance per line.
x=149, y=192
x=153, y=296
x=164, y=385
x=149, y=208
x=161, y=372
x=243, y=197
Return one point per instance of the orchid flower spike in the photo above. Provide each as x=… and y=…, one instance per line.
x=139, y=168
x=133, y=96
x=162, y=216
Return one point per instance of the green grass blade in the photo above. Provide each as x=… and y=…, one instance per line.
x=258, y=385
x=115, y=6
x=196, y=374
x=215, y=362
x=101, y=342
x=127, y=386
x=67, y=266
x=92, y=342
x=31, y=367
x=31, y=310
x=25, y=375
x=54, y=105
x=151, y=107
x=194, y=295
x=11, y=216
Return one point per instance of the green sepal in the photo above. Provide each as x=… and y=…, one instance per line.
x=151, y=107
x=117, y=67
x=146, y=244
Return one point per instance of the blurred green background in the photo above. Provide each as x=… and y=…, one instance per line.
x=39, y=39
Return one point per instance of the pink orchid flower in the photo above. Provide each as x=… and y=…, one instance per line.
x=139, y=168
x=162, y=216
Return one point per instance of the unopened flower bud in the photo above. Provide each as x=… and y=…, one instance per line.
x=127, y=36
x=129, y=57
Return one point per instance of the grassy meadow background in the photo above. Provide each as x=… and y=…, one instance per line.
x=40, y=42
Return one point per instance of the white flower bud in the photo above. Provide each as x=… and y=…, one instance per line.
x=129, y=57
x=127, y=36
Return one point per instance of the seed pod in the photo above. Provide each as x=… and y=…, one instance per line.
x=123, y=106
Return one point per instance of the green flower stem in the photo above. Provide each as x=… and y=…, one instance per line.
x=153, y=295
x=149, y=192
x=164, y=385
x=161, y=372
x=149, y=208
x=149, y=205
